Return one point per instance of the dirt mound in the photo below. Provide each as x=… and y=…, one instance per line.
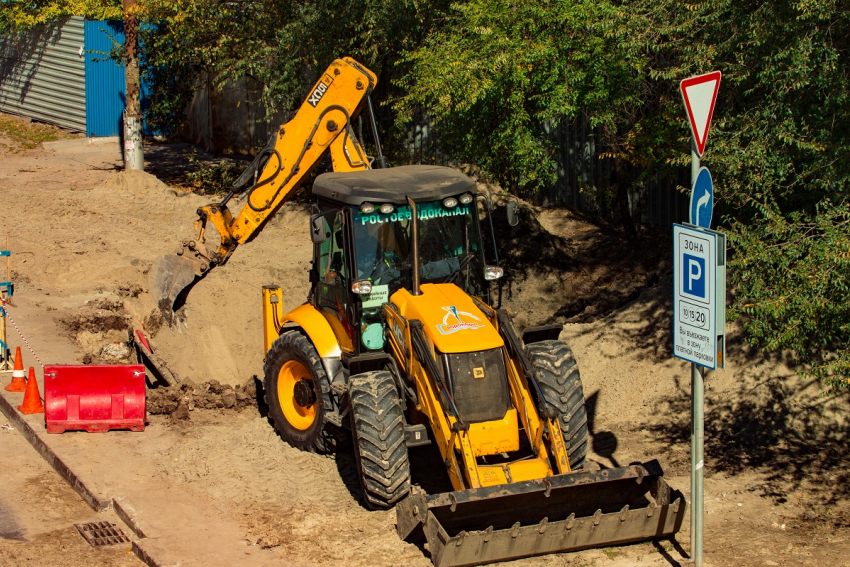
x=107, y=238
x=560, y=266
x=180, y=399
x=223, y=337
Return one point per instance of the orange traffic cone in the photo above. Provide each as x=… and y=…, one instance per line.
x=19, y=383
x=32, y=399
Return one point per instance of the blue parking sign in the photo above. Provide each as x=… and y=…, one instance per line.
x=699, y=289
x=694, y=276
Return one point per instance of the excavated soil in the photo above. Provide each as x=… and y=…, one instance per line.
x=84, y=237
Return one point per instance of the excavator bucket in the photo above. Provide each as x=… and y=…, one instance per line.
x=561, y=513
x=171, y=279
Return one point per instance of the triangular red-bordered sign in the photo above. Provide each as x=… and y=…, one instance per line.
x=699, y=94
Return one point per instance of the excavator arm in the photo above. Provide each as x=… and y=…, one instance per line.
x=321, y=125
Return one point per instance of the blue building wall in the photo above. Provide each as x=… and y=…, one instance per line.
x=105, y=79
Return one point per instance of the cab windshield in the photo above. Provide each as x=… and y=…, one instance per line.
x=449, y=248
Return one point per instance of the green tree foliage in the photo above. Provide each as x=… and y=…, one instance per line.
x=791, y=274
x=499, y=72
x=500, y=75
x=778, y=151
x=16, y=15
x=281, y=45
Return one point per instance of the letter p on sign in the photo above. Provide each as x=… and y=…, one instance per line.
x=694, y=279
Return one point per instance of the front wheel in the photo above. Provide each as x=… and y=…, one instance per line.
x=294, y=384
x=377, y=424
x=559, y=380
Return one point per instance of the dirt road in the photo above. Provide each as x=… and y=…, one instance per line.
x=220, y=488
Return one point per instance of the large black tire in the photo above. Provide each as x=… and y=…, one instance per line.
x=557, y=373
x=292, y=359
x=377, y=425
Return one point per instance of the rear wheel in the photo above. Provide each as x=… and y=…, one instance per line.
x=558, y=376
x=294, y=384
x=377, y=424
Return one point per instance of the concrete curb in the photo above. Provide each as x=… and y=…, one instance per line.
x=87, y=492
x=127, y=513
x=81, y=142
x=121, y=506
x=144, y=556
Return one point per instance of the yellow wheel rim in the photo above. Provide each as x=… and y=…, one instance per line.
x=298, y=416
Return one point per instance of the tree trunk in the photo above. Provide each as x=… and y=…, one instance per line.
x=622, y=202
x=133, y=142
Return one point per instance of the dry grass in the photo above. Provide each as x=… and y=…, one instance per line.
x=18, y=134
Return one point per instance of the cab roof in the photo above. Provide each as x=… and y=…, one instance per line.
x=392, y=185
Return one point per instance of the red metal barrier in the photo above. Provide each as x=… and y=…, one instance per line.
x=94, y=398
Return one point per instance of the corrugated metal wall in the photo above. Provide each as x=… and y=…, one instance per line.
x=585, y=180
x=106, y=83
x=105, y=79
x=42, y=74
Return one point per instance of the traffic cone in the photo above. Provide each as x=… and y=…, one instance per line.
x=19, y=383
x=32, y=399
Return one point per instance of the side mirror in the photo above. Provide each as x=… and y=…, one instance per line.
x=318, y=232
x=510, y=209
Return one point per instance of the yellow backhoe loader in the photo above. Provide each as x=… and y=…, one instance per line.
x=402, y=343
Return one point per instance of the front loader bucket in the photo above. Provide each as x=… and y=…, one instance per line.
x=561, y=513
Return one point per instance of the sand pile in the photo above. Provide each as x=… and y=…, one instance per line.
x=94, y=254
x=222, y=338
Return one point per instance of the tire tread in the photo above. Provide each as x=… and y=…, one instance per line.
x=379, y=441
x=282, y=350
x=558, y=376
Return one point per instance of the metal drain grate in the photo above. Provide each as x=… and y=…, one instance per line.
x=101, y=533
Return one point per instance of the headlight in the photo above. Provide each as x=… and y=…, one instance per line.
x=493, y=273
x=449, y=202
x=367, y=208
x=387, y=208
x=362, y=287
x=465, y=199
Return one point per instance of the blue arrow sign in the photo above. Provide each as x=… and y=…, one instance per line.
x=702, y=199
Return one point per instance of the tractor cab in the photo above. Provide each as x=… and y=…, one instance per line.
x=363, y=244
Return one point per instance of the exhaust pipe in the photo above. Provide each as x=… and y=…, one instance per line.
x=415, y=235
x=380, y=161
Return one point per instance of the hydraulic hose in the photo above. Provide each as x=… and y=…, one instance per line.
x=296, y=167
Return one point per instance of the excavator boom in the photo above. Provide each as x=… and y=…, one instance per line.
x=321, y=125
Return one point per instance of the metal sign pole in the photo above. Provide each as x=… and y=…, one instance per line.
x=697, y=427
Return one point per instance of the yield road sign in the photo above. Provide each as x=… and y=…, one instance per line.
x=702, y=199
x=699, y=94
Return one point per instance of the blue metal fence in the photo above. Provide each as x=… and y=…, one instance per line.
x=105, y=79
